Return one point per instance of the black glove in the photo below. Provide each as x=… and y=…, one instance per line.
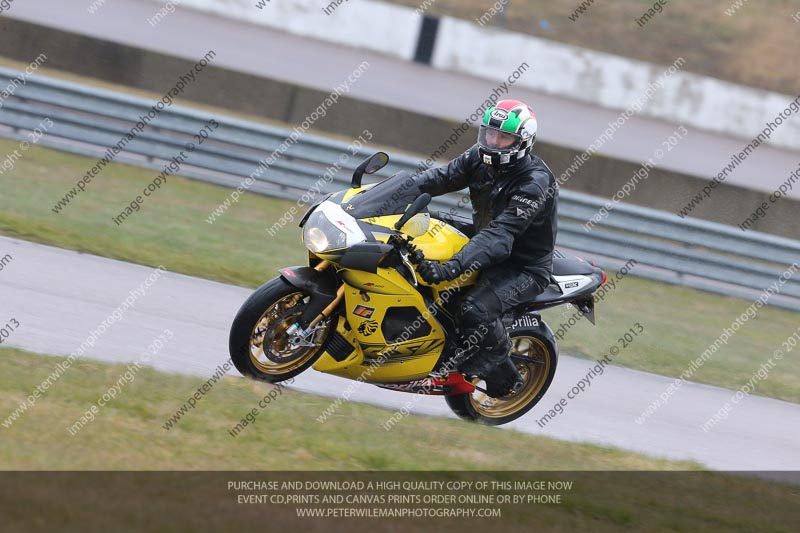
x=435, y=272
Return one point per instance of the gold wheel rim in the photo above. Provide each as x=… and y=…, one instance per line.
x=270, y=332
x=534, y=376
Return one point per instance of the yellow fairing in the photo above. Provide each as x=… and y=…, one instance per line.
x=440, y=242
x=385, y=281
x=418, y=341
x=374, y=359
x=352, y=192
x=415, y=227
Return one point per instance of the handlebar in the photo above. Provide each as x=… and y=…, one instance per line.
x=409, y=254
x=406, y=249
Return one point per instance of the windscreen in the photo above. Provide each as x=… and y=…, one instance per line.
x=392, y=196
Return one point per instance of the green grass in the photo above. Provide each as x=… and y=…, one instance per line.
x=753, y=47
x=680, y=323
x=171, y=230
x=127, y=434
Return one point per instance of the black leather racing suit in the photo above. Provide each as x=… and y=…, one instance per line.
x=514, y=212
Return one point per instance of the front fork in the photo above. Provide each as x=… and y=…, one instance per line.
x=319, y=289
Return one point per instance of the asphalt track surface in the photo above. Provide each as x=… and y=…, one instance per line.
x=321, y=65
x=59, y=296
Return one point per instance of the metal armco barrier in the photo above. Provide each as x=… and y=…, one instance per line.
x=700, y=254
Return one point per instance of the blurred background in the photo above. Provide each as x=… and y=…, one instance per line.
x=672, y=125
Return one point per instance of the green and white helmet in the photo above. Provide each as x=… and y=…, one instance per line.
x=507, y=133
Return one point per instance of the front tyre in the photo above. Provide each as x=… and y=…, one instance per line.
x=259, y=343
x=536, y=358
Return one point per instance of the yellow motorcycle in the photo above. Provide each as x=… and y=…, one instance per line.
x=360, y=311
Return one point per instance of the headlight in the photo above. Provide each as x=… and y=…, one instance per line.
x=315, y=240
x=331, y=228
x=320, y=235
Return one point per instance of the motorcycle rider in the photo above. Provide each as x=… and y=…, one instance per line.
x=514, y=198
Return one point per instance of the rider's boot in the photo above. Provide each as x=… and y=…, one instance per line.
x=496, y=368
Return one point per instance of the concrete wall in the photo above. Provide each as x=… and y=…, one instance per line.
x=384, y=28
x=410, y=132
x=615, y=82
x=598, y=78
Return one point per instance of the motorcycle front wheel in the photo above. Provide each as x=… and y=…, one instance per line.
x=536, y=359
x=259, y=344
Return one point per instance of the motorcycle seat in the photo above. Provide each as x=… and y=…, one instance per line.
x=563, y=266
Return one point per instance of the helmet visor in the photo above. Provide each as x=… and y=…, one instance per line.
x=495, y=139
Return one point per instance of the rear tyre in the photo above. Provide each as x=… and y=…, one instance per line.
x=536, y=359
x=258, y=342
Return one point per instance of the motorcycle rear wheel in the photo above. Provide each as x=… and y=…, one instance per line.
x=536, y=359
x=259, y=345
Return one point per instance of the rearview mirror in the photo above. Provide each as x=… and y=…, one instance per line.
x=371, y=165
x=416, y=208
